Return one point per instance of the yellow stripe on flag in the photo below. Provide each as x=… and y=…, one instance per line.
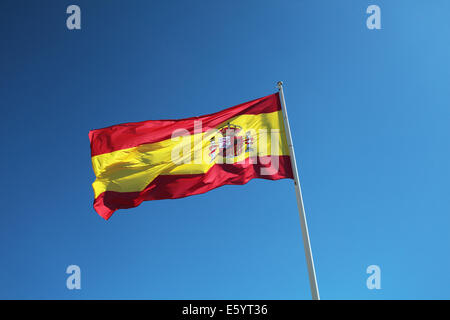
x=132, y=169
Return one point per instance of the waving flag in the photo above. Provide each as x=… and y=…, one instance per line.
x=168, y=159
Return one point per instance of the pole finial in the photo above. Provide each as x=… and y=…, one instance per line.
x=279, y=84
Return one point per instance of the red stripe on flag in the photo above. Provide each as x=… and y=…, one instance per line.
x=133, y=134
x=180, y=186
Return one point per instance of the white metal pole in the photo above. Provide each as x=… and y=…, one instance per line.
x=301, y=208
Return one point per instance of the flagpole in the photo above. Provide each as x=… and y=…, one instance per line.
x=301, y=208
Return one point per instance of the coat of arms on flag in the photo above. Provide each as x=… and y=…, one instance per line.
x=231, y=142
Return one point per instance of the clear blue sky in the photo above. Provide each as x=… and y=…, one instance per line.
x=370, y=114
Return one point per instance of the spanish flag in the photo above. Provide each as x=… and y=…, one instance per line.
x=169, y=159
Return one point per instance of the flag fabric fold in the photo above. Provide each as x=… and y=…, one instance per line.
x=169, y=159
